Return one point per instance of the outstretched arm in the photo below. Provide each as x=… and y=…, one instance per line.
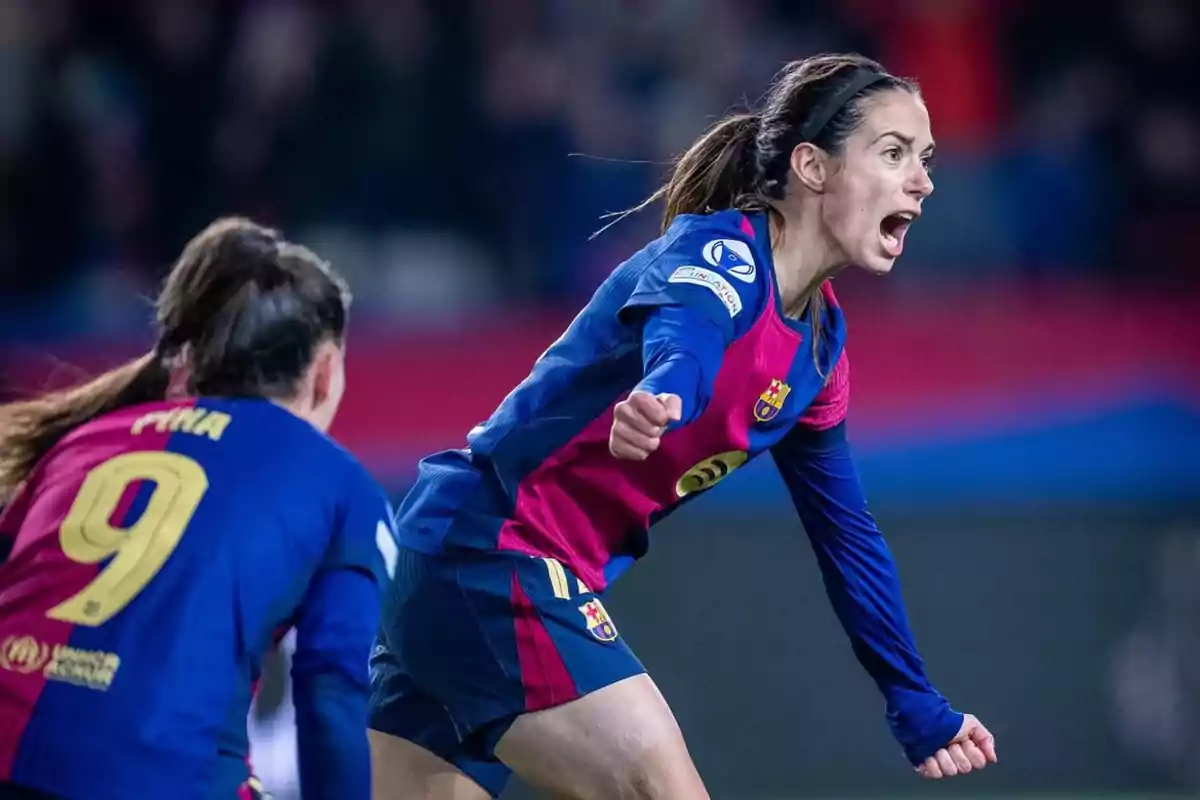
x=862, y=583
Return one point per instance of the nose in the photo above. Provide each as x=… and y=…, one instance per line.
x=920, y=185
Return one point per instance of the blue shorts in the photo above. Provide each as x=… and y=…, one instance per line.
x=471, y=641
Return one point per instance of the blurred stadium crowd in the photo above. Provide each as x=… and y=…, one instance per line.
x=425, y=146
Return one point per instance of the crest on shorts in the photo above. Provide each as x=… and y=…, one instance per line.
x=770, y=401
x=599, y=624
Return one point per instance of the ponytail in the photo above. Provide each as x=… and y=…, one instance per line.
x=718, y=172
x=721, y=171
x=30, y=428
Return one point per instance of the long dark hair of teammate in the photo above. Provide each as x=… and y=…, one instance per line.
x=743, y=161
x=242, y=312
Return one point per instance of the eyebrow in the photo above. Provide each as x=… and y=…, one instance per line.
x=907, y=140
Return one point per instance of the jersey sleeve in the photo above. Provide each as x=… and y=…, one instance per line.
x=702, y=291
x=712, y=273
x=681, y=355
x=862, y=583
x=335, y=630
x=367, y=539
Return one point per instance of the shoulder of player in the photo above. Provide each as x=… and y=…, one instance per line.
x=366, y=511
x=263, y=427
x=337, y=476
x=254, y=422
x=334, y=479
x=332, y=458
x=721, y=247
x=348, y=474
x=700, y=235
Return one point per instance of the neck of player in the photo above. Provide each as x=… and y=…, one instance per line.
x=803, y=252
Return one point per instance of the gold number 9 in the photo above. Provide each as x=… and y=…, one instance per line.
x=88, y=537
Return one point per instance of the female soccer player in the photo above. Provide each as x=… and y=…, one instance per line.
x=717, y=342
x=166, y=519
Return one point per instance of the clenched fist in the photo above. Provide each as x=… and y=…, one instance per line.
x=973, y=748
x=639, y=423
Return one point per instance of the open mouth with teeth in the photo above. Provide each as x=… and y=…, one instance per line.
x=892, y=231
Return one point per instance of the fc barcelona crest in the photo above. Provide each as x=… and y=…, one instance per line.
x=770, y=401
x=599, y=624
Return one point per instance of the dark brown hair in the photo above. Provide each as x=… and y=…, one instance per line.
x=742, y=162
x=242, y=311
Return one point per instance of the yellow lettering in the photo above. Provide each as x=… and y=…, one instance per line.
x=168, y=417
x=154, y=417
x=185, y=419
x=213, y=425
x=92, y=669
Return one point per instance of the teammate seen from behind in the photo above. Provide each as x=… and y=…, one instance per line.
x=719, y=342
x=166, y=520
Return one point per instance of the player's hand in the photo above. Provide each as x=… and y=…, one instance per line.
x=973, y=748
x=639, y=423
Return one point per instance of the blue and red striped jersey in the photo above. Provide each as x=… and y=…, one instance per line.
x=155, y=553
x=538, y=473
x=696, y=313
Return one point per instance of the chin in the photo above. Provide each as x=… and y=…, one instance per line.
x=876, y=265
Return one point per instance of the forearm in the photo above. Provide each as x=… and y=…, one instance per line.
x=681, y=353
x=862, y=582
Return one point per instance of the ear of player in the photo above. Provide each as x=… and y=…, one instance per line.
x=639, y=423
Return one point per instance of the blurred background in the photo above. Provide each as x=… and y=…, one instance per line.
x=1026, y=383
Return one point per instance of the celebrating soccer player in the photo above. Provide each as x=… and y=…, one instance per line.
x=717, y=342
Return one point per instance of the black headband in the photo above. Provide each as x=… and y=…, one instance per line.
x=826, y=110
